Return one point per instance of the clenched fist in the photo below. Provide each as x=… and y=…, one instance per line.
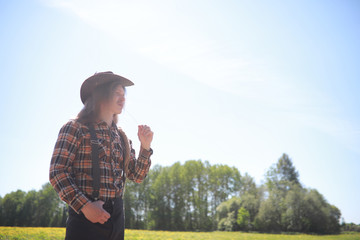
x=145, y=136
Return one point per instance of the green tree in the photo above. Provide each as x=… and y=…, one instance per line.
x=248, y=186
x=29, y=209
x=153, y=212
x=252, y=204
x=334, y=216
x=293, y=218
x=160, y=200
x=321, y=217
x=177, y=197
x=227, y=214
x=1, y=212
x=48, y=209
x=12, y=206
x=282, y=176
x=243, y=219
x=350, y=227
x=280, y=179
x=197, y=194
x=224, y=183
x=191, y=194
x=251, y=197
x=269, y=216
x=136, y=201
x=230, y=223
x=129, y=208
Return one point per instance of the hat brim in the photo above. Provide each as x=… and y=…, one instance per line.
x=98, y=79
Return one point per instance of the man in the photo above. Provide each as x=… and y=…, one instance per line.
x=92, y=159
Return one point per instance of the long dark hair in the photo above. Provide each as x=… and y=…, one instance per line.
x=91, y=109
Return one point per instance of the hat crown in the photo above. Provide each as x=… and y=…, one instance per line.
x=107, y=72
x=89, y=85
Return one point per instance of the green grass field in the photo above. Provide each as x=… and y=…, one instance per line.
x=12, y=233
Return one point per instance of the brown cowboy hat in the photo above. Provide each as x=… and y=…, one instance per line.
x=98, y=79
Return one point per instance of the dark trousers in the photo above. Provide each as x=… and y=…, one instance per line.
x=79, y=228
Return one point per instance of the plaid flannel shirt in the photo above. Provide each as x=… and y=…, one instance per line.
x=71, y=164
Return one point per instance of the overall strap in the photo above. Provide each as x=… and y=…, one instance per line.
x=125, y=153
x=95, y=162
x=124, y=156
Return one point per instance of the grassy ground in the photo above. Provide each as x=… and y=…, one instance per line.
x=12, y=233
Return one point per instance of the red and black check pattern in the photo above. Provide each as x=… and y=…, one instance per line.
x=71, y=165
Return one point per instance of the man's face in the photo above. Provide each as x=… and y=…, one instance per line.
x=117, y=101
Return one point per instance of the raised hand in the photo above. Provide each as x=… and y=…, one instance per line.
x=145, y=136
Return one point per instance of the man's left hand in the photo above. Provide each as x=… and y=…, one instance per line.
x=145, y=136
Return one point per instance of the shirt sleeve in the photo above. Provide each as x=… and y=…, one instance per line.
x=61, y=177
x=139, y=168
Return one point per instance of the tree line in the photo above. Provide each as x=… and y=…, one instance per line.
x=280, y=205
x=41, y=208
x=197, y=196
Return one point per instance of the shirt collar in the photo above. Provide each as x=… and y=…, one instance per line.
x=104, y=124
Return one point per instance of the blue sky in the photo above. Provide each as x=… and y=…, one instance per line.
x=232, y=82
